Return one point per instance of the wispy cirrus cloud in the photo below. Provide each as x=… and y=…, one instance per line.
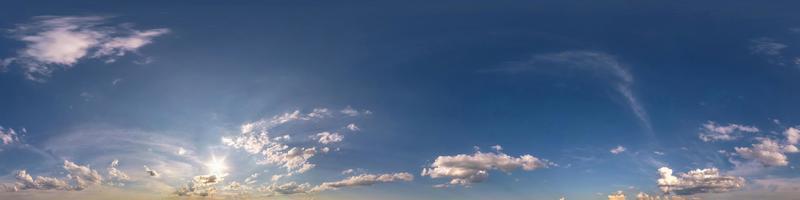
x=600, y=63
x=60, y=42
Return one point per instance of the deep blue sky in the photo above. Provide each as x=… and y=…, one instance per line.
x=538, y=77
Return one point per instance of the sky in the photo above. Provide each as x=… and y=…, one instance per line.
x=429, y=100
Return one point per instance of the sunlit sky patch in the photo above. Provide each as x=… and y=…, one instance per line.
x=399, y=100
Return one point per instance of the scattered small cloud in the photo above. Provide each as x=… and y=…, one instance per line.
x=150, y=172
x=711, y=131
x=353, y=127
x=617, y=150
x=327, y=137
x=8, y=136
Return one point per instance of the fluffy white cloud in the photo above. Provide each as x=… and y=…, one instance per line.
x=60, y=42
x=255, y=138
x=364, y=180
x=769, y=152
x=711, y=131
x=115, y=175
x=8, y=136
x=83, y=175
x=327, y=137
x=617, y=150
x=792, y=135
x=26, y=182
x=202, y=185
x=465, y=169
x=286, y=189
x=353, y=127
x=619, y=195
x=697, y=181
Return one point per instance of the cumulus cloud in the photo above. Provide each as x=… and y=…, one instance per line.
x=150, y=172
x=792, y=135
x=8, y=136
x=617, y=150
x=619, y=195
x=60, y=42
x=81, y=176
x=202, y=185
x=327, y=137
x=599, y=62
x=353, y=127
x=287, y=189
x=697, y=181
x=711, y=131
x=256, y=138
x=26, y=182
x=768, y=152
x=115, y=175
x=466, y=169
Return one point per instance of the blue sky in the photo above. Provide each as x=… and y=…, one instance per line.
x=399, y=100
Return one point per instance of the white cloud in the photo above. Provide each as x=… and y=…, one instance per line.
x=353, y=127
x=698, y=181
x=251, y=179
x=465, y=169
x=26, y=182
x=792, y=135
x=769, y=152
x=327, y=137
x=202, y=185
x=617, y=150
x=497, y=147
x=60, y=42
x=115, y=175
x=349, y=111
x=150, y=172
x=81, y=176
x=766, y=46
x=348, y=171
x=364, y=180
x=8, y=136
x=619, y=195
x=287, y=189
x=255, y=138
x=711, y=131
x=181, y=151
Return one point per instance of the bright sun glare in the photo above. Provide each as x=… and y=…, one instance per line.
x=217, y=166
